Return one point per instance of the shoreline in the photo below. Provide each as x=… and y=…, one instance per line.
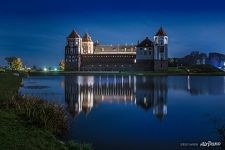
x=23, y=123
x=147, y=73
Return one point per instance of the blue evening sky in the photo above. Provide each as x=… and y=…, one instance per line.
x=36, y=30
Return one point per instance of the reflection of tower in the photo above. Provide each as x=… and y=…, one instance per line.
x=71, y=95
x=160, y=97
x=152, y=92
x=86, y=92
x=79, y=94
x=144, y=92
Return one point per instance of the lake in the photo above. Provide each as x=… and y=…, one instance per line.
x=136, y=112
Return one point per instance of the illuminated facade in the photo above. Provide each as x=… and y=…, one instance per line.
x=81, y=54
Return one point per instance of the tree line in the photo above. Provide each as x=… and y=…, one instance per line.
x=15, y=63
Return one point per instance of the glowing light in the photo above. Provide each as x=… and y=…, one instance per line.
x=55, y=69
x=45, y=69
x=224, y=64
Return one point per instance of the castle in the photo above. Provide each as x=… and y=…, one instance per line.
x=82, y=54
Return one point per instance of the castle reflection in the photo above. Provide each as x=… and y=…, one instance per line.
x=82, y=93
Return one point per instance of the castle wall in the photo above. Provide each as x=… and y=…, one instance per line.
x=107, y=62
x=160, y=65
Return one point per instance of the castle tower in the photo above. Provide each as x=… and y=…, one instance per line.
x=87, y=44
x=73, y=51
x=160, y=50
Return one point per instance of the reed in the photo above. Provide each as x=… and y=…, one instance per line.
x=41, y=113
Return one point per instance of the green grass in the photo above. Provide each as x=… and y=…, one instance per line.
x=203, y=69
x=9, y=85
x=41, y=113
x=29, y=123
x=193, y=70
x=15, y=135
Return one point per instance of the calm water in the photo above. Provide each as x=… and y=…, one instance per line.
x=136, y=112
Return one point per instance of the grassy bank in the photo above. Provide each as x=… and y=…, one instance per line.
x=30, y=123
x=9, y=85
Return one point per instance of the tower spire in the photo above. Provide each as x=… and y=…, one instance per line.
x=161, y=32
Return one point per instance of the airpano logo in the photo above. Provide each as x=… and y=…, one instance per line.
x=202, y=144
x=210, y=143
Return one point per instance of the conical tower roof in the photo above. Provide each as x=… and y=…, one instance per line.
x=86, y=38
x=161, y=32
x=74, y=34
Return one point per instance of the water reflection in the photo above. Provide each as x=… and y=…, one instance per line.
x=82, y=93
x=199, y=85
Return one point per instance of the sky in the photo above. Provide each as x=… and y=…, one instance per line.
x=36, y=30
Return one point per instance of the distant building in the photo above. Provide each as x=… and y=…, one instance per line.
x=81, y=54
x=197, y=58
x=216, y=59
x=194, y=58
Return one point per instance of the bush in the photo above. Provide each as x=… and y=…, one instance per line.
x=2, y=70
x=41, y=113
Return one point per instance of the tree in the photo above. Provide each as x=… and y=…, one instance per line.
x=14, y=63
x=62, y=65
x=34, y=67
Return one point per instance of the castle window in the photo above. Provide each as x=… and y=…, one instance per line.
x=161, y=49
x=145, y=53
